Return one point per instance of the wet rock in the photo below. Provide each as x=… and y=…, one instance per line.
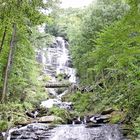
x=103, y=119
x=93, y=125
x=36, y=127
x=16, y=133
x=126, y=129
x=28, y=135
x=77, y=120
x=30, y=132
x=69, y=63
x=32, y=114
x=107, y=111
x=100, y=118
x=1, y=136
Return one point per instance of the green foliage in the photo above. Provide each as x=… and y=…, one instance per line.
x=104, y=40
x=62, y=113
x=23, y=88
x=137, y=125
x=83, y=102
x=97, y=17
x=3, y=125
x=40, y=39
x=23, y=69
x=12, y=113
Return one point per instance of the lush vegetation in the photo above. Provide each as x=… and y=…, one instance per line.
x=20, y=88
x=105, y=45
x=104, y=40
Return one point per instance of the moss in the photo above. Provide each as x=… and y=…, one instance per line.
x=3, y=125
x=11, y=113
x=137, y=126
x=116, y=118
x=83, y=102
x=62, y=113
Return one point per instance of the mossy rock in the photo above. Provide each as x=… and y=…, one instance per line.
x=62, y=113
x=117, y=116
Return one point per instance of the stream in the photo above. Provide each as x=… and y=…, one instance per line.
x=57, y=64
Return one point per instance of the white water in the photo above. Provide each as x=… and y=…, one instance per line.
x=37, y=131
x=55, y=60
x=80, y=132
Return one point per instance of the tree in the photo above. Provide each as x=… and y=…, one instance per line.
x=97, y=17
x=23, y=15
x=9, y=61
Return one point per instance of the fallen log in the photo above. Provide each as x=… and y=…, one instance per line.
x=57, y=85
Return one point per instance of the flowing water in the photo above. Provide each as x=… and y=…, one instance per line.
x=57, y=63
x=67, y=132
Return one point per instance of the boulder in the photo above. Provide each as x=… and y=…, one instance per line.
x=103, y=119
x=33, y=131
x=49, y=119
x=107, y=111
x=100, y=118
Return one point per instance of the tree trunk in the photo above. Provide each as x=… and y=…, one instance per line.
x=57, y=85
x=3, y=39
x=8, y=64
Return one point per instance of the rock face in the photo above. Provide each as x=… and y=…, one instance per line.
x=103, y=117
x=66, y=132
x=34, y=131
x=1, y=136
x=100, y=118
x=107, y=111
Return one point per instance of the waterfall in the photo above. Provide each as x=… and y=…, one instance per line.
x=58, y=60
x=57, y=63
x=80, y=132
x=38, y=131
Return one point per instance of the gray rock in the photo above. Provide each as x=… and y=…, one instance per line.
x=49, y=119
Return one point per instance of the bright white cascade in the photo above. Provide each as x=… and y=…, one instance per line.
x=56, y=61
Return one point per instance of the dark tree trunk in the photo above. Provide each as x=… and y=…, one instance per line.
x=8, y=63
x=3, y=39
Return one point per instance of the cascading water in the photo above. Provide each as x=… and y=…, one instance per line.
x=57, y=62
x=80, y=132
x=58, y=59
